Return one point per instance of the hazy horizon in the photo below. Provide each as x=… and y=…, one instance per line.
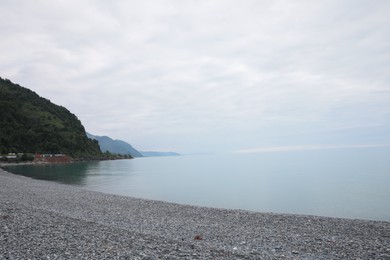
x=209, y=76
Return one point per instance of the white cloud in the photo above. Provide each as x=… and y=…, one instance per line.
x=198, y=73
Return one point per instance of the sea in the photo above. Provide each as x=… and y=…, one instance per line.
x=344, y=183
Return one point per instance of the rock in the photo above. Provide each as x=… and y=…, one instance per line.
x=198, y=237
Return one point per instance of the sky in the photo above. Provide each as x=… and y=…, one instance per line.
x=208, y=76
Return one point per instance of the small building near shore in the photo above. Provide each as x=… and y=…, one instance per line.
x=11, y=156
x=52, y=158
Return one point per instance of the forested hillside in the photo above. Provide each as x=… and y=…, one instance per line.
x=32, y=124
x=115, y=146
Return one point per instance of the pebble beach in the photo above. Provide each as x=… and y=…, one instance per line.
x=47, y=220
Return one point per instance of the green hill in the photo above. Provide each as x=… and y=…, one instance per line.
x=32, y=124
x=115, y=146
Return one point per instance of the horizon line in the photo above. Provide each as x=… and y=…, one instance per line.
x=305, y=148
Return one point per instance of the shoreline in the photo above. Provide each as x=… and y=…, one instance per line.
x=73, y=160
x=45, y=219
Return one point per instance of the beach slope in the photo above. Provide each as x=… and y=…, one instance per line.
x=46, y=220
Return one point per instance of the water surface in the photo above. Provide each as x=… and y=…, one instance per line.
x=349, y=183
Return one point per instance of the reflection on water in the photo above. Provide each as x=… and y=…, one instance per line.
x=69, y=173
x=351, y=183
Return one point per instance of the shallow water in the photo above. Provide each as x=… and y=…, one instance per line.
x=349, y=183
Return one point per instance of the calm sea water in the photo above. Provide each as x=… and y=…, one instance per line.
x=350, y=183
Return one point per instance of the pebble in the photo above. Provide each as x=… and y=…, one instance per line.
x=46, y=220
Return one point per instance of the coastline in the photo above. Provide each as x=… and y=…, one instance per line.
x=40, y=219
x=72, y=160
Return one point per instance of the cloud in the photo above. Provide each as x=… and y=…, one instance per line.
x=193, y=74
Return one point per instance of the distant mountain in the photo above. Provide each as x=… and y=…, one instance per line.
x=152, y=153
x=32, y=124
x=115, y=146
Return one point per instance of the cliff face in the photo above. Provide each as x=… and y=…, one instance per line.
x=32, y=124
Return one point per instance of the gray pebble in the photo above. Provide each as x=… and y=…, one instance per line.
x=46, y=220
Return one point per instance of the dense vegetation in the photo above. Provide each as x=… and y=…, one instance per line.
x=32, y=124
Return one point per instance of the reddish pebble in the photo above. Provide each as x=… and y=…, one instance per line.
x=198, y=237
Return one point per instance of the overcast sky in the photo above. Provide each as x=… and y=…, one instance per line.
x=208, y=76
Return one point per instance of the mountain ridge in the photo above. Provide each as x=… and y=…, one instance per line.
x=123, y=148
x=106, y=143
